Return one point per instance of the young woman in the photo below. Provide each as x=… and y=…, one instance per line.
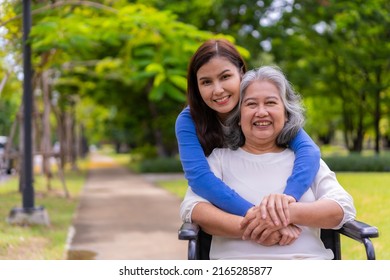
x=213, y=82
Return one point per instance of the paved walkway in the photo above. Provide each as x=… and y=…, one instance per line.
x=124, y=216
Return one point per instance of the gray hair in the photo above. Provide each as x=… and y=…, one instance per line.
x=291, y=101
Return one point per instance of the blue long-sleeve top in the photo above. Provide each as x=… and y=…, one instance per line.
x=204, y=183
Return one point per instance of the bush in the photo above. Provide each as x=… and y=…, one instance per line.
x=160, y=165
x=358, y=163
x=144, y=152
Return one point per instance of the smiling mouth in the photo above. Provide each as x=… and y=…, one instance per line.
x=222, y=100
x=262, y=123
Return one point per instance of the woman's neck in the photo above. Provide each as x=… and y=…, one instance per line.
x=258, y=149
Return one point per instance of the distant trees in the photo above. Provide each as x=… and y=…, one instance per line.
x=109, y=73
x=116, y=70
x=335, y=52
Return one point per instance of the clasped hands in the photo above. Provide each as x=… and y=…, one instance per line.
x=269, y=223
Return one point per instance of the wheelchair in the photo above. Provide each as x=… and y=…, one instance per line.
x=199, y=242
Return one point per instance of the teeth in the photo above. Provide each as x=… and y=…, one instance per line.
x=262, y=123
x=221, y=99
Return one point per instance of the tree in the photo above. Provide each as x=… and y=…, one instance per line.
x=341, y=46
x=129, y=58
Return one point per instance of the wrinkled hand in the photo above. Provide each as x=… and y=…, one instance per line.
x=255, y=227
x=276, y=206
x=289, y=234
x=273, y=239
x=284, y=236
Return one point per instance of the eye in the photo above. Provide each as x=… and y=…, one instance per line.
x=226, y=76
x=205, y=82
x=251, y=104
x=272, y=102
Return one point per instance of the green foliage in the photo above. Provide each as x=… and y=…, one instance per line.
x=131, y=57
x=160, y=165
x=358, y=163
x=144, y=152
x=341, y=46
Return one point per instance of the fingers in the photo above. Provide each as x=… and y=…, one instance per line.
x=250, y=228
x=259, y=230
x=250, y=215
x=255, y=226
x=289, y=234
x=276, y=206
x=270, y=205
x=262, y=236
x=273, y=239
x=284, y=211
x=263, y=207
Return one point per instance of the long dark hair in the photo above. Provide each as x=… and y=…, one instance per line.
x=208, y=126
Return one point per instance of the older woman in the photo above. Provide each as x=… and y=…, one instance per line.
x=269, y=115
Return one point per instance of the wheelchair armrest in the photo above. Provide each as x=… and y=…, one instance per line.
x=361, y=232
x=358, y=230
x=188, y=231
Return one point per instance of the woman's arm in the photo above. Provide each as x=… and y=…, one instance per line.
x=197, y=171
x=214, y=221
x=217, y=222
x=333, y=206
x=324, y=213
x=306, y=165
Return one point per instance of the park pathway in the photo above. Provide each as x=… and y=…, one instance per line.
x=124, y=216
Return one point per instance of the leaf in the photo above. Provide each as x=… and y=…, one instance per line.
x=179, y=81
x=156, y=93
x=154, y=68
x=158, y=79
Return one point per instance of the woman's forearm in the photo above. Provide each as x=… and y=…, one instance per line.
x=324, y=213
x=219, y=223
x=215, y=221
x=198, y=173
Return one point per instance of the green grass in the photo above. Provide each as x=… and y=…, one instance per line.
x=39, y=242
x=371, y=193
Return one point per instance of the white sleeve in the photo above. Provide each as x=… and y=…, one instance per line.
x=188, y=204
x=191, y=198
x=326, y=186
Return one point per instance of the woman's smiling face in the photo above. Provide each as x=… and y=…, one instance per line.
x=219, y=85
x=262, y=116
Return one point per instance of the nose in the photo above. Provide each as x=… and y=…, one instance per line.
x=218, y=88
x=261, y=111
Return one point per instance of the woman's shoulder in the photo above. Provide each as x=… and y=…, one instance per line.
x=185, y=112
x=223, y=153
x=184, y=117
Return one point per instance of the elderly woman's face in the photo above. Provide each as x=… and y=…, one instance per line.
x=262, y=116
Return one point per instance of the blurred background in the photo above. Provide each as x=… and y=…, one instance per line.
x=110, y=76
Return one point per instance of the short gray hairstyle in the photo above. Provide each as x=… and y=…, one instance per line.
x=291, y=101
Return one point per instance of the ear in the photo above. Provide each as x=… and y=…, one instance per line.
x=242, y=71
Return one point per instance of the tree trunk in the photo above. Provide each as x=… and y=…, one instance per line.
x=157, y=133
x=46, y=132
x=377, y=113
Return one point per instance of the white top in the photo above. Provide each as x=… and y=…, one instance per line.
x=254, y=176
